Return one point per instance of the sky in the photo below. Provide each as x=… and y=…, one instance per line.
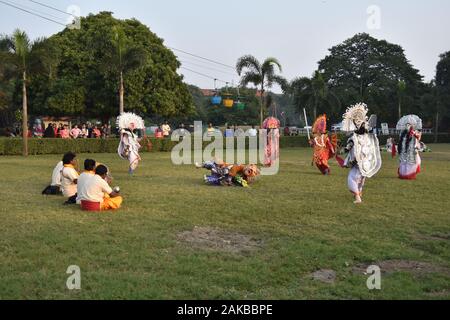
x=297, y=32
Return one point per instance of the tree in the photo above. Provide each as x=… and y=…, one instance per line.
x=442, y=89
x=110, y=64
x=127, y=58
x=263, y=76
x=24, y=58
x=366, y=69
x=401, y=88
x=315, y=93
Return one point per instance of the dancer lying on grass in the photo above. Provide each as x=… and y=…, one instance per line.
x=96, y=194
x=224, y=174
x=69, y=178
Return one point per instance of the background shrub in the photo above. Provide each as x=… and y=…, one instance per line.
x=13, y=146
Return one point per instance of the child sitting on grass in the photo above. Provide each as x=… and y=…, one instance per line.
x=96, y=190
x=89, y=172
x=69, y=178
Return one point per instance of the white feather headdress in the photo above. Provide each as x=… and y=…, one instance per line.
x=125, y=120
x=411, y=120
x=354, y=117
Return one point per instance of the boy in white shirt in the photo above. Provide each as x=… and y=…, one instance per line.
x=55, y=187
x=89, y=172
x=69, y=178
x=97, y=190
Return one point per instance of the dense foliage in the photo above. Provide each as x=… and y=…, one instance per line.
x=85, y=73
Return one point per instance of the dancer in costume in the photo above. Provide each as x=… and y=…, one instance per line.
x=324, y=147
x=129, y=146
x=272, y=144
x=409, y=146
x=224, y=174
x=363, y=148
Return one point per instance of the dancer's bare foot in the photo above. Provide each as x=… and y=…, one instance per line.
x=198, y=165
x=358, y=200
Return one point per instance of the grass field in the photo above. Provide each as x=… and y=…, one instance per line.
x=276, y=233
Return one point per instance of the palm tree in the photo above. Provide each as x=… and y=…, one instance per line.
x=313, y=92
x=22, y=58
x=401, y=88
x=126, y=59
x=263, y=76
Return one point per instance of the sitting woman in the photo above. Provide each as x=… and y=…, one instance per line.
x=97, y=195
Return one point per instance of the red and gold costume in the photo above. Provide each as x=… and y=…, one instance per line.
x=324, y=147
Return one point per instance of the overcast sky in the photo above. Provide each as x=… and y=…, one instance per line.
x=297, y=32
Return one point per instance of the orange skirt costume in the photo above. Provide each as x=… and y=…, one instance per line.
x=324, y=148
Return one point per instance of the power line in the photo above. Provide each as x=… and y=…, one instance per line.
x=204, y=67
x=32, y=13
x=179, y=50
x=203, y=58
x=35, y=10
x=204, y=75
x=50, y=7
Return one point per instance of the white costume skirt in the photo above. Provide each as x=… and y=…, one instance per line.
x=409, y=171
x=355, y=181
x=133, y=157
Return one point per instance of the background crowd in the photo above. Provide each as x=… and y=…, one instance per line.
x=63, y=131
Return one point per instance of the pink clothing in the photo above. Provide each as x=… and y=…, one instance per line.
x=64, y=133
x=75, y=133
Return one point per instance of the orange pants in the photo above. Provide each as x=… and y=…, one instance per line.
x=111, y=203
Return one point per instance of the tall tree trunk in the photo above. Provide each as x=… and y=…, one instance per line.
x=262, y=105
x=24, y=116
x=436, y=129
x=399, y=107
x=121, y=91
x=315, y=111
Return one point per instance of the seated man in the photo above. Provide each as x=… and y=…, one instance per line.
x=97, y=191
x=55, y=187
x=69, y=178
x=89, y=172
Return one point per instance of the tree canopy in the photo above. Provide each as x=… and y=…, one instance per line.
x=85, y=78
x=363, y=68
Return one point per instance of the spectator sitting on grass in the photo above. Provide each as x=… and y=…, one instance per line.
x=55, y=186
x=69, y=178
x=89, y=172
x=97, y=190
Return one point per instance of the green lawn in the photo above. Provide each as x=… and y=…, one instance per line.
x=302, y=221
